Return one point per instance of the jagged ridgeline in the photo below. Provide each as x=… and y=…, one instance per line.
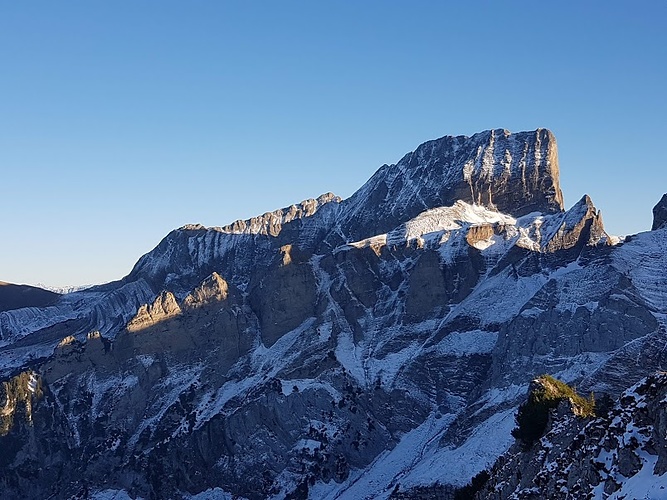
x=358, y=348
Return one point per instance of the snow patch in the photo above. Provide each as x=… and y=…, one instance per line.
x=379, y=478
x=213, y=494
x=498, y=396
x=32, y=382
x=644, y=484
x=467, y=343
x=110, y=494
x=300, y=385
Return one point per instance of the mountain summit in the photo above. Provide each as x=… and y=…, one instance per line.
x=512, y=173
x=334, y=348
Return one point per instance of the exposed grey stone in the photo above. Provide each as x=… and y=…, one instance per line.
x=660, y=213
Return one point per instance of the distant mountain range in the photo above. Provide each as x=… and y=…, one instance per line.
x=372, y=347
x=61, y=290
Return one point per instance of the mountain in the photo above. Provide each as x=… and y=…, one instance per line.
x=356, y=348
x=19, y=296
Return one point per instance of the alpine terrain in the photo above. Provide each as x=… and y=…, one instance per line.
x=372, y=347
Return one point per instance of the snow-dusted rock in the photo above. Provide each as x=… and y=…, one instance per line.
x=620, y=454
x=337, y=348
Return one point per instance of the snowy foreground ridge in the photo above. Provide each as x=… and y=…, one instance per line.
x=373, y=347
x=619, y=454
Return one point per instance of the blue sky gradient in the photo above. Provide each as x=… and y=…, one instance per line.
x=120, y=121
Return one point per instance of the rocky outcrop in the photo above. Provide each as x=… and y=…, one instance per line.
x=581, y=225
x=17, y=396
x=660, y=214
x=163, y=307
x=622, y=452
x=479, y=235
x=213, y=289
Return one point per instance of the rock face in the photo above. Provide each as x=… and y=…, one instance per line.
x=17, y=397
x=512, y=173
x=336, y=349
x=271, y=223
x=162, y=308
x=213, y=289
x=660, y=214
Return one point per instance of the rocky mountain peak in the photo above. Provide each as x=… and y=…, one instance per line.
x=660, y=214
x=212, y=289
x=163, y=307
x=514, y=173
x=581, y=225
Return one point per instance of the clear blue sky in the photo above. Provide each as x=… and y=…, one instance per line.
x=122, y=120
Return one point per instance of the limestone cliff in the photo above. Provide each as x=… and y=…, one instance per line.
x=660, y=214
x=163, y=307
x=512, y=173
